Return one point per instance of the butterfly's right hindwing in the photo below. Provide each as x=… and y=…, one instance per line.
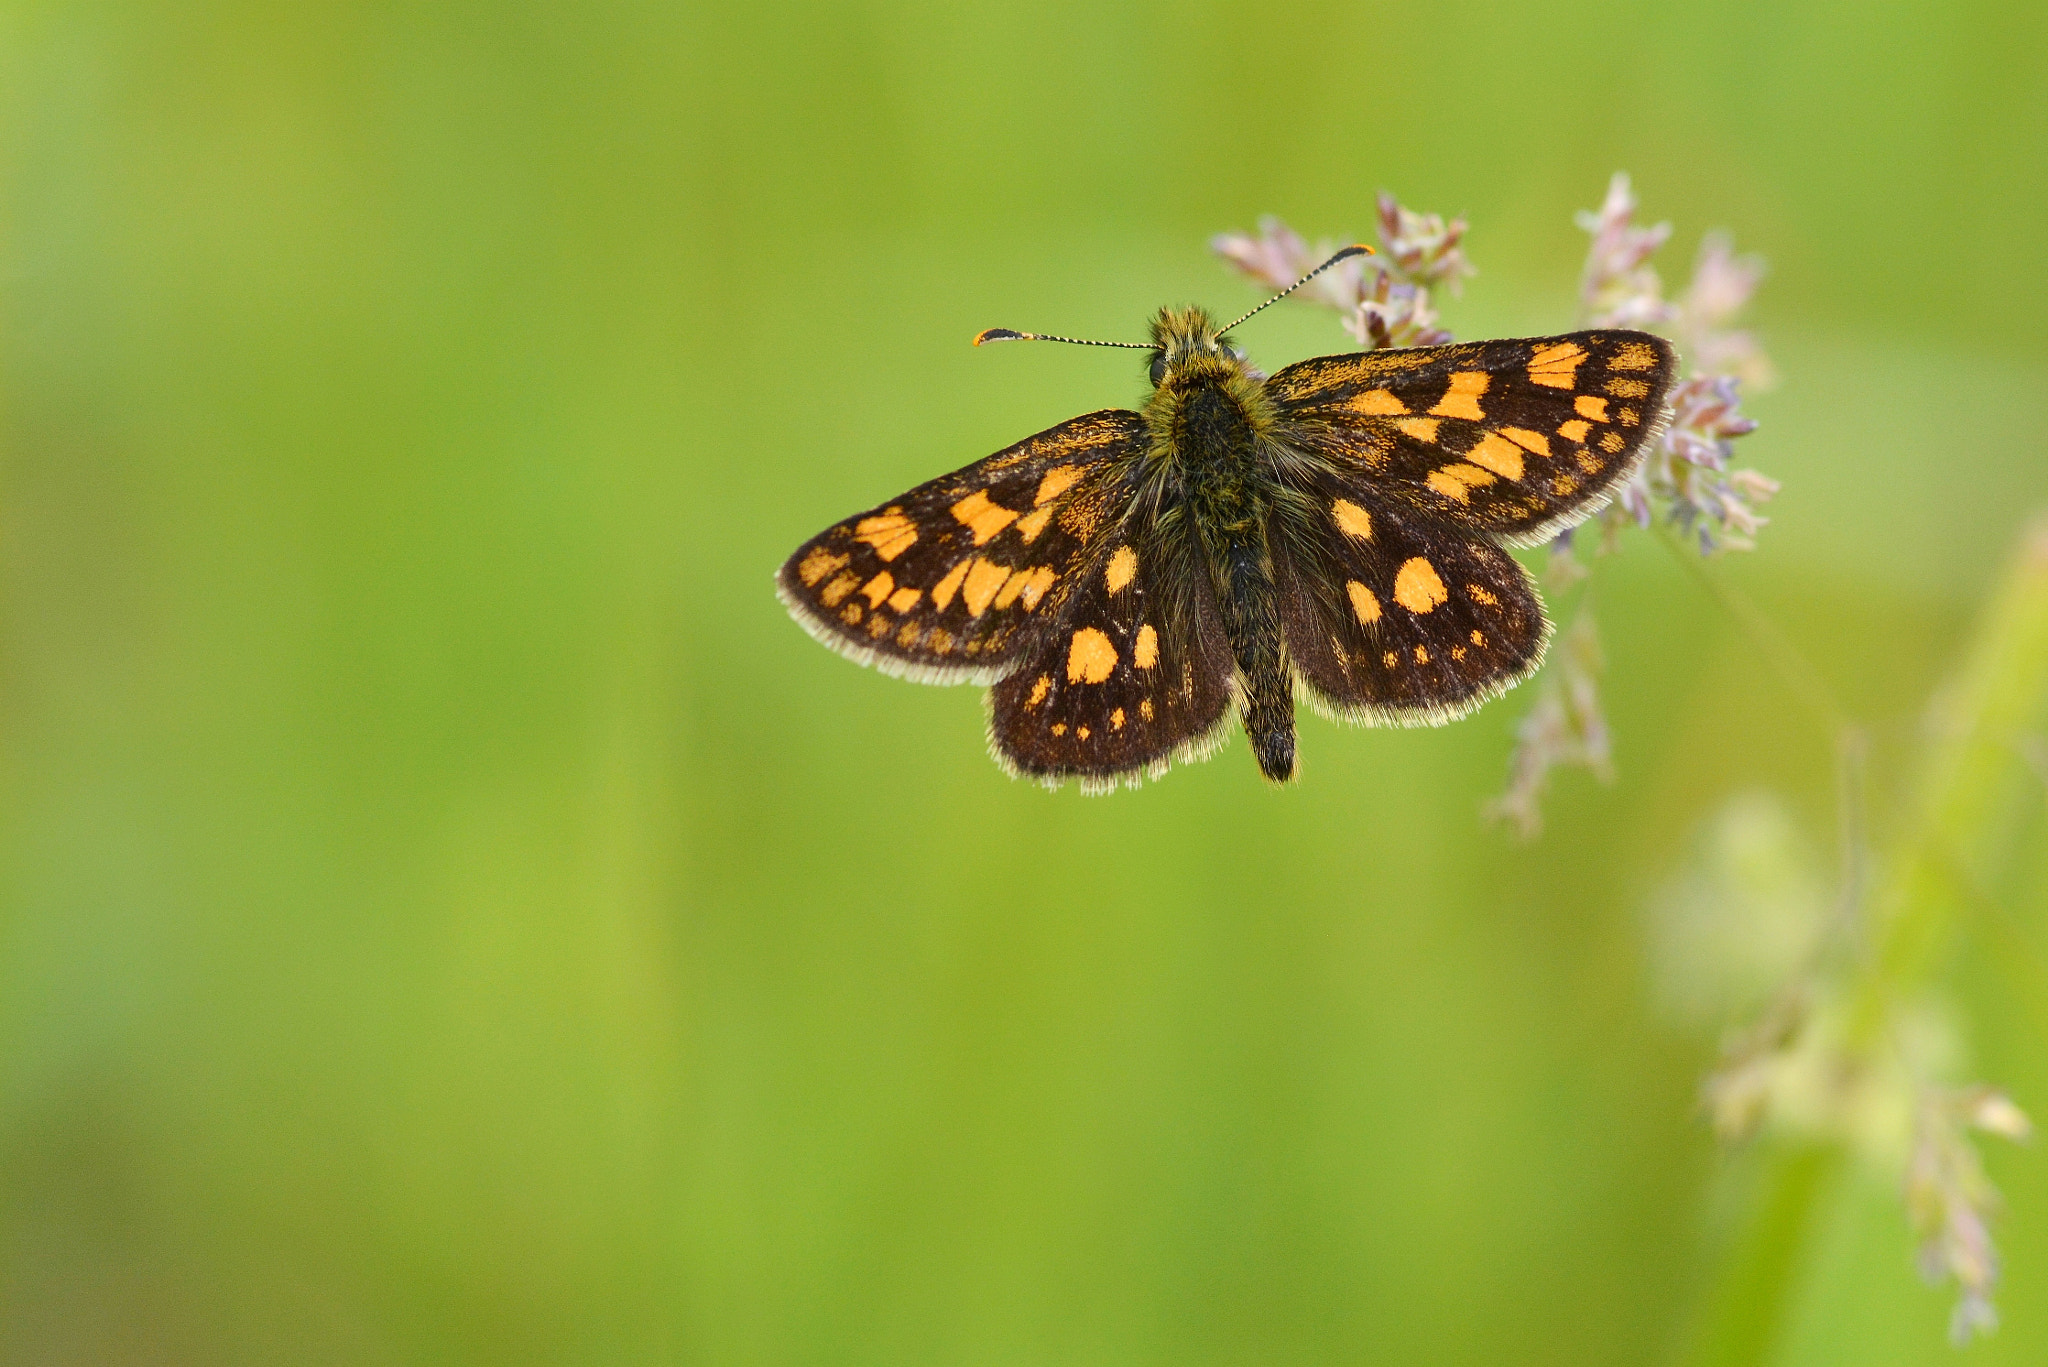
x=1392, y=620
x=947, y=582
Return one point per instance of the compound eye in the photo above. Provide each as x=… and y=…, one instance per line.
x=1232, y=352
x=1158, y=369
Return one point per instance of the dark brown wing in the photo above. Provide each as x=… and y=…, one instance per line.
x=1392, y=619
x=1137, y=674
x=941, y=584
x=1511, y=440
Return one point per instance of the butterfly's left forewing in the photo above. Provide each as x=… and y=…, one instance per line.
x=946, y=583
x=1510, y=440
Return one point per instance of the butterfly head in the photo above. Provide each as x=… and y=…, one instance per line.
x=1187, y=345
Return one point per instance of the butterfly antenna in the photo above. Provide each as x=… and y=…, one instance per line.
x=1007, y=335
x=1355, y=249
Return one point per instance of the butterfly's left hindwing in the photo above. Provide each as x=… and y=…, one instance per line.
x=1135, y=673
x=1510, y=440
x=946, y=582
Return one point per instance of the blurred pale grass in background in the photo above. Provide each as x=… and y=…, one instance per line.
x=1844, y=1045
x=1854, y=1049
x=453, y=916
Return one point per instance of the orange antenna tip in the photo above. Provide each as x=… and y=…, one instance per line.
x=1008, y=335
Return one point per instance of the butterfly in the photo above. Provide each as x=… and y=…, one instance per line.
x=1336, y=531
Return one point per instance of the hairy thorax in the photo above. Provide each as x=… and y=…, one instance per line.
x=1208, y=415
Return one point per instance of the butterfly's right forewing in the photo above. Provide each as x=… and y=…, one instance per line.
x=948, y=582
x=1511, y=440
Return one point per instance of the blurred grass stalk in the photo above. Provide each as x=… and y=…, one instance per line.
x=1852, y=1056
x=1970, y=794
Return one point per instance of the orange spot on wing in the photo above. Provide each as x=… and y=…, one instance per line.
x=1390, y=659
x=1123, y=567
x=1627, y=389
x=1478, y=637
x=982, y=517
x=1035, y=586
x=1422, y=429
x=1478, y=594
x=1039, y=688
x=890, y=533
x=1611, y=441
x=1591, y=406
x=1575, y=430
x=1498, y=454
x=1416, y=586
x=1031, y=524
x=1146, y=653
x=985, y=579
x=1352, y=520
x=1634, y=356
x=1422, y=655
x=1554, y=365
x=942, y=595
x=878, y=588
x=1533, y=442
x=905, y=598
x=1145, y=709
x=1461, y=398
x=1363, y=602
x=1012, y=586
x=1376, y=401
x=1456, y=481
x=834, y=593
x=1057, y=481
x=819, y=563
x=1090, y=657
x=908, y=636
x=1116, y=720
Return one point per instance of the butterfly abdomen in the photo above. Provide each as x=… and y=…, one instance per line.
x=1251, y=619
x=1214, y=447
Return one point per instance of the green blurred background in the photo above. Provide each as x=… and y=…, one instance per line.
x=453, y=915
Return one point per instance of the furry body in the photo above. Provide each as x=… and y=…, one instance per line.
x=1211, y=424
x=1335, y=531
